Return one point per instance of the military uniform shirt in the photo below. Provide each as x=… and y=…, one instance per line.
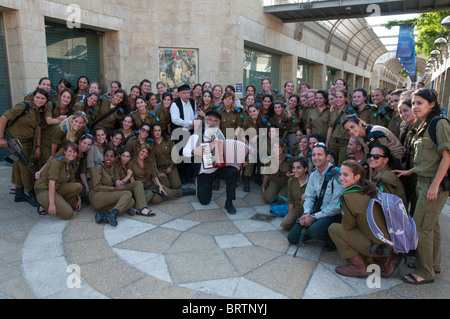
x=56, y=170
x=428, y=154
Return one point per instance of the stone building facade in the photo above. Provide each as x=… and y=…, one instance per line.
x=234, y=42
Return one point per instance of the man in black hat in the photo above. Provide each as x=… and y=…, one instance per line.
x=205, y=177
x=183, y=112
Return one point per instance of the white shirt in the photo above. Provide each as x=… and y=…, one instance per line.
x=189, y=115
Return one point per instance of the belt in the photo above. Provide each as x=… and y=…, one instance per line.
x=25, y=141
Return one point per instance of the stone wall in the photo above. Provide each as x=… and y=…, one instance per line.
x=135, y=30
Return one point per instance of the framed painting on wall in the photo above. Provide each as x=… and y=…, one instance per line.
x=178, y=66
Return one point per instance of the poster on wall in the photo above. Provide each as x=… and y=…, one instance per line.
x=178, y=66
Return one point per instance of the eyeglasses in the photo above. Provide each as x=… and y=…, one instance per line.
x=144, y=130
x=319, y=144
x=375, y=156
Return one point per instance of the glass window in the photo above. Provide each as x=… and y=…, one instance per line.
x=72, y=53
x=330, y=77
x=5, y=90
x=259, y=65
x=302, y=73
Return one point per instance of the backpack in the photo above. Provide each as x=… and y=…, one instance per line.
x=279, y=209
x=400, y=225
x=432, y=132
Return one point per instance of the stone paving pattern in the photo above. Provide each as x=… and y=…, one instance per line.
x=187, y=251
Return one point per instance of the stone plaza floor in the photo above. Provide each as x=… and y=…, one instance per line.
x=187, y=251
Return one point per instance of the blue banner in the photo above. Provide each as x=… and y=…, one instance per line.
x=406, y=50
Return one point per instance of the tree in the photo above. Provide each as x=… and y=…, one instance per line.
x=428, y=27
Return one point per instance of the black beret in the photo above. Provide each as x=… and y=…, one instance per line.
x=214, y=113
x=184, y=87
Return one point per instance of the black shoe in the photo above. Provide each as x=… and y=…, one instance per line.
x=216, y=184
x=111, y=217
x=20, y=196
x=184, y=181
x=246, y=184
x=32, y=200
x=188, y=191
x=100, y=217
x=229, y=207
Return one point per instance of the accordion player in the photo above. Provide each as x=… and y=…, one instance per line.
x=221, y=153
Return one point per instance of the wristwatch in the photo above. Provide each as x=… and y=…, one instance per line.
x=314, y=218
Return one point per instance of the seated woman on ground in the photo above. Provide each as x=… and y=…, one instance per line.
x=123, y=177
x=353, y=236
x=57, y=190
x=108, y=199
x=296, y=192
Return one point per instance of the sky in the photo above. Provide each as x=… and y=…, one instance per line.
x=391, y=42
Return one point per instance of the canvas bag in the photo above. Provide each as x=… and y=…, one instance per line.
x=400, y=225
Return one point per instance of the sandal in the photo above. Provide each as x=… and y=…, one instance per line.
x=150, y=213
x=12, y=191
x=414, y=280
x=41, y=212
x=413, y=266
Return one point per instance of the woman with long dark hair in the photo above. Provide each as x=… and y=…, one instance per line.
x=431, y=165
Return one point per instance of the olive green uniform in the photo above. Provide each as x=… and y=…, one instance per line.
x=102, y=194
x=163, y=118
x=304, y=111
x=59, y=136
x=388, y=182
x=295, y=193
x=394, y=125
x=278, y=181
x=426, y=216
x=24, y=129
x=368, y=114
x=136, y=187
x=230, y=119
x=149, y=118
x=133, y=144
x=317, y=121
x=410, y=182
x=282, y=123
x=162, y=155
x=140, y=174
x=113, y=120
x=384, y=116
x=66, y=187
x=52, y=111
x=339, y=136
x=353, y=235
x=253, y=156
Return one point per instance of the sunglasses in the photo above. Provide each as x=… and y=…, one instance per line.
x=375, y=156
x=320, y=144
x=87, y=136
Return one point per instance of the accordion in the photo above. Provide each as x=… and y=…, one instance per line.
x=224, y=153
